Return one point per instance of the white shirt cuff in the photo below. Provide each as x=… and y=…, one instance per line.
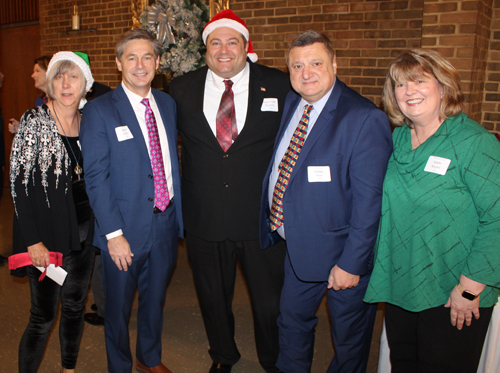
x=114, y=234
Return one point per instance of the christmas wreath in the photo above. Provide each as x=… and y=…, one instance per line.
x=178, y=25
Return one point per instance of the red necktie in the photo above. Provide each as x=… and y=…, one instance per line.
x=285, y=168
x=162, y=198
x=226, y=128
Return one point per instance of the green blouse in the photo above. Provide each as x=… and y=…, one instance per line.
x=435, y=227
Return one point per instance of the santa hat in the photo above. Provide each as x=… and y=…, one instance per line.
x=80, y=59
x=227, y=18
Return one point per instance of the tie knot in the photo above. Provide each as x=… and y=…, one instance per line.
x=145, y=102
x=308, y=109
x=228, y=83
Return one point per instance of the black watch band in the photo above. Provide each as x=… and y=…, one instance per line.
x=466, y=293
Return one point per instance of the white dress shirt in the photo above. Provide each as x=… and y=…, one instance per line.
x=140, y=113
x=285, y=141
x=215, y=87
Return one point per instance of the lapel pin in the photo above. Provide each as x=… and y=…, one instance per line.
x=263, y=89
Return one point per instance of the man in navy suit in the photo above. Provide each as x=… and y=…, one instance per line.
x=129, y=143
x=322, y=194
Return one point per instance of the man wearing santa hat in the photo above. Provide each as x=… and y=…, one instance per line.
x=228, y=114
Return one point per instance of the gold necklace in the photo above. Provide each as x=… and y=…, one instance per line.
x=78, y=169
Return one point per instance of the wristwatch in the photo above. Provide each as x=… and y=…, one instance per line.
x=466, y=293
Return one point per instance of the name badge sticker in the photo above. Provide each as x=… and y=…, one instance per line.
x=318, y=174
x=123, y=133
x=270, y=104
x=437, y=165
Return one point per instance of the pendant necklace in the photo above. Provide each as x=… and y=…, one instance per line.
x=78, y=169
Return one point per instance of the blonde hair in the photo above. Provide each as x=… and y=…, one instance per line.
x=409, y=66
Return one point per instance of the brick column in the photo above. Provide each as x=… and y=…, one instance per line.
x=460, y=31
x=491, y=103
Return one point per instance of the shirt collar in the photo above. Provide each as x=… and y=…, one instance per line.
x=238, y=79
x=134, y=98
x=320, y=104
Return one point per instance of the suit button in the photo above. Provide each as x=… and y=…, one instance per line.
x=150, y=176
x=226, y=185
x=150, y=199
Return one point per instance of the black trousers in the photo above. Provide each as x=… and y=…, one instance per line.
x=44, y=301
x=426, y=342
x=214, y=271
x=98, y=285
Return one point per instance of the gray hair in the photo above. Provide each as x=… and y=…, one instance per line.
x=62, y=67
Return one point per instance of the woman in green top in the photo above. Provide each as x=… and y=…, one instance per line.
x=437, y=253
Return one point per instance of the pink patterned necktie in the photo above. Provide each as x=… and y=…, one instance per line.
x=162, y=198
x=226, y=128
x=285, y=168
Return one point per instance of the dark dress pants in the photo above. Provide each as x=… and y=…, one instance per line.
x=426, y=342
x=98, y=285
x=150, y=272
x=214, y=271
x=352, y=324
x=45, y=297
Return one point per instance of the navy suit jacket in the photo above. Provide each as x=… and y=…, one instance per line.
x=333, y=223
x=118, y=174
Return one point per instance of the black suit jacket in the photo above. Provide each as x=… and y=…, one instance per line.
x=98, y=89
x=221, y=191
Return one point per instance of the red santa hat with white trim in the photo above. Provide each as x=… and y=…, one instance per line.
x=227, y=18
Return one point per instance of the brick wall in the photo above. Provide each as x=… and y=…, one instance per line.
x=366, y=34
x=460, y=30
x=110, y=18
x=491, y=103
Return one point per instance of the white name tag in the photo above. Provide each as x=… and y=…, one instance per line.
x=269, y=104
x=437, y=165
x=123, y=133
x=318, y=174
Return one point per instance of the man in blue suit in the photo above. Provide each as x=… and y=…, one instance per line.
x=322, y=194
x=129, y=143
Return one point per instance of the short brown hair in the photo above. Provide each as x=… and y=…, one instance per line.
x=43, y=62
x=409, y=66
x=137, y=34
x=310, y=37
x=62, y=67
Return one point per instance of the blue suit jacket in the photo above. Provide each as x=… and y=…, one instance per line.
x=336, y=222
x=118, y=174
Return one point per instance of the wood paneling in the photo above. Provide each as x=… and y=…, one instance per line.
x=19, y=46
x=14, y=11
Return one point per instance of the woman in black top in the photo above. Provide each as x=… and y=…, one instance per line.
x=52, y=208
